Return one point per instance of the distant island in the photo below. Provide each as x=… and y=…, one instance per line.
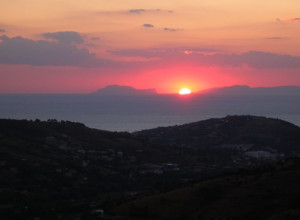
x=247, y=90
x=123, y=91
x=240, y=90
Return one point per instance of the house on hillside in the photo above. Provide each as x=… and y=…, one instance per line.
x=261, y=155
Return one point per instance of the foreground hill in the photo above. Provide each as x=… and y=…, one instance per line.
x=272, y=193
x=53, y=168
x=260, y=131
x=65, y=170
x=234, y=140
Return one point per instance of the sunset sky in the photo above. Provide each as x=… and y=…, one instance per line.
x=76, y=46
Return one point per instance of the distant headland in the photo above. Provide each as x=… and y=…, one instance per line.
x=123, y=90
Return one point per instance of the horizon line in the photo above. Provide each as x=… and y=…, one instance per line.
x=203, y=91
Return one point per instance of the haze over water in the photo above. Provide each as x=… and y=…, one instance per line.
x=132, y=113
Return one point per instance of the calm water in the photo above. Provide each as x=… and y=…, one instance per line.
x=136, y=113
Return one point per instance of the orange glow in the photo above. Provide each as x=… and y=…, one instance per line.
x=184, y=91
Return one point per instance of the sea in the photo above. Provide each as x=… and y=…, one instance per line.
x=134, y=113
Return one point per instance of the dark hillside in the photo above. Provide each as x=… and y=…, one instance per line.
x=65, y=170
x=221, y=145
x=257, y=131
x=271, y=193
x=64, y=167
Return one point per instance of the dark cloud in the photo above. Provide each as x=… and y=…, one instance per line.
x=172, y=29
x=142, y=11
x=212, y=57
x=147, y=53
x=95, y=38
x=66, y=37
x=160, y=52
x=18, y=50
x=276, y=38
x=255, y=59
x=137, y=11
x=148, y=25
x=2, y=30
x=91, y=45
x=210, y=51
x=261, y=60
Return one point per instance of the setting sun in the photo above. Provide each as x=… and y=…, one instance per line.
x=184, y=91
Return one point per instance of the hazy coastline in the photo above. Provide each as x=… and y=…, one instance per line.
x=136, y=112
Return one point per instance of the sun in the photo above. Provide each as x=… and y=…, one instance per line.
x=184, y=91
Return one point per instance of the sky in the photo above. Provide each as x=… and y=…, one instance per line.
x=77, y=46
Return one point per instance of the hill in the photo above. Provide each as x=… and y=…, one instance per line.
x=242, y=133
x=227, y=143
x=65, y=170
x=61, y=168
x=123, y=91
x=244, y=90
x=271, y=193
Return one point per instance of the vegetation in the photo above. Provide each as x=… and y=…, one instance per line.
x=64, y=170
x=269, y=193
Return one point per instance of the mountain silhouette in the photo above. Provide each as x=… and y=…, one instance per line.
x=246, y=90
x=123, y=91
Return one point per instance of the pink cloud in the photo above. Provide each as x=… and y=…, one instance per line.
x=19, y=50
